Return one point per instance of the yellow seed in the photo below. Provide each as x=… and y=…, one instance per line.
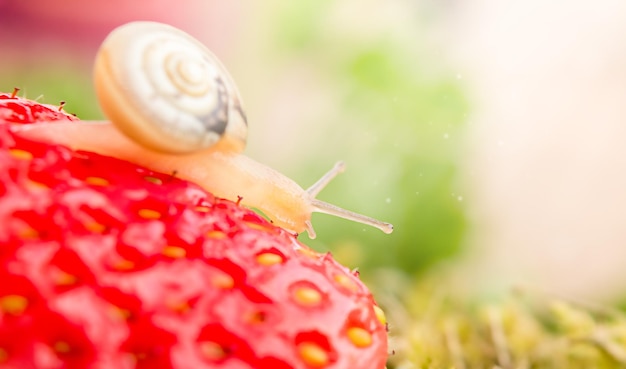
x=154, y=180
x=95, y=227
x=174, y=252
x=124, y=265
x=180, y=307
x=61, y=347
x=20, y=154
x=216, y=234
x=257, y=226
x=380, y=315
x=96, y=181
x=149, y=214
x=347, y=283
x=307, y=296
x=64, y=279
x=212, y=351
x=36, y=185
x=359, y=337
x=269, y=258
x=29, y=233
x=256, y=317
x=13, y=304
x=119, y=313
x=3, y=355
x=313, y=355
x=223, y=281
x=203, y=209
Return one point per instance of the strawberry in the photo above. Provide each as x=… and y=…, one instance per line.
x=104, y=264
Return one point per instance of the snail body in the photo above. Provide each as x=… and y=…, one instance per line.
x=173, y=107
x=224, y=174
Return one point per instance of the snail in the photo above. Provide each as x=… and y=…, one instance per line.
x=173, y=106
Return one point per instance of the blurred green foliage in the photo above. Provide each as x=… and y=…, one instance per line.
x=400, y=110
x=55, y=83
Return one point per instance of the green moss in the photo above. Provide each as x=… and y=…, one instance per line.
x=440, y=331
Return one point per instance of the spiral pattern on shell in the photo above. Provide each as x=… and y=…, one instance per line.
x=166, y=90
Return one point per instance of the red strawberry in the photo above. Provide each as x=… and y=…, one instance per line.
x=104, y=264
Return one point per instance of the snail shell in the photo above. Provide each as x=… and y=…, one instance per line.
x=167, y=91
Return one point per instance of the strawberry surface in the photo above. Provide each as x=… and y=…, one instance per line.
x=104, y=264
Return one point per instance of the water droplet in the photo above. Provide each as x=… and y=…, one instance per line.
x=446, y=136
x=460, y=198
x=388, y=200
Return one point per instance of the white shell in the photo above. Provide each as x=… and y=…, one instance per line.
x=167, y=91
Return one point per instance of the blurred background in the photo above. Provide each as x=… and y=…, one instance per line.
x=490, y=133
